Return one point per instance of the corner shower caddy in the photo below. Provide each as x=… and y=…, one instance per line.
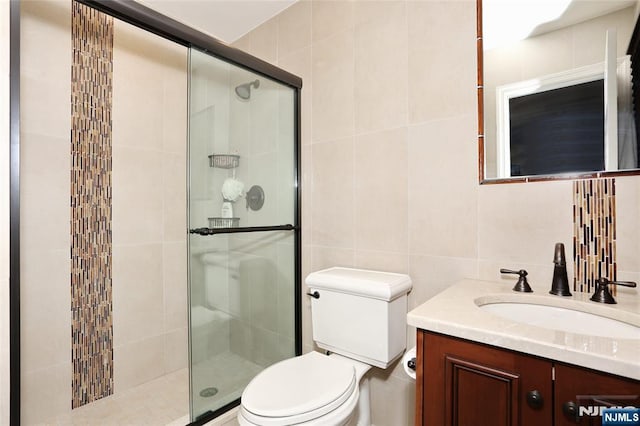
x=229, y=162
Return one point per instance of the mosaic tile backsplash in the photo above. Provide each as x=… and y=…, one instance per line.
x=594, y=232
x=91, y=243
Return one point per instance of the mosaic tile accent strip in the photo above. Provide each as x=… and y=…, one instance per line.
x=91, y=165
x=594, y=232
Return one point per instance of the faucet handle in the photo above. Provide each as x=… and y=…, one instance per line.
x=602, y=293
x=522, y=285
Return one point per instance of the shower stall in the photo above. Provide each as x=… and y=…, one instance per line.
x=171, y=193
x=242, y=219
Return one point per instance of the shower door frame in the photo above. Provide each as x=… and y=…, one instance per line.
x=165, y=27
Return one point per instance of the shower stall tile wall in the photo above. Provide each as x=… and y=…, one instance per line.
x=149, y=207
x=45, y=193
x=145, y=290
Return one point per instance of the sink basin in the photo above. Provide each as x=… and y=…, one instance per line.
x=563, y=319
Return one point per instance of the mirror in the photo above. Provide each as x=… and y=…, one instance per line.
x=555, y=89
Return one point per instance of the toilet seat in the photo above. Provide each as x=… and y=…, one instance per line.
x=299, y=390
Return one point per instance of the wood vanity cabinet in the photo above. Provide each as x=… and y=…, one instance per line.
x=595, y=389
x=463, y=383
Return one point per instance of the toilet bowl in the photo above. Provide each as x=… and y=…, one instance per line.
x=312, y=389
x=359, y=317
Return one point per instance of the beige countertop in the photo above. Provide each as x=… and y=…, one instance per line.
x=455, y=312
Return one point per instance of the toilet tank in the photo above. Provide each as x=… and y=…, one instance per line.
x=360, y=314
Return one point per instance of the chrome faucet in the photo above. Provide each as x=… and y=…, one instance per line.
x=560, y=282
x=602, y=293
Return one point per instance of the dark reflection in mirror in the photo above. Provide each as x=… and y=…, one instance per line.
x=556, y=99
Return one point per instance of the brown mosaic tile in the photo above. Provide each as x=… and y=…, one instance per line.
x=91, y=267
x=594, y=232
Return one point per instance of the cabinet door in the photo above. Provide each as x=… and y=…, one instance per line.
x=580, y=394
x=469, y=384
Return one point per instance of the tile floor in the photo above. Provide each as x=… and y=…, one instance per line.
x=227, y=372
x=159, y=402
x=165, y=400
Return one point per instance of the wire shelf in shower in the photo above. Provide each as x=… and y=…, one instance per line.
x=224, y=222
x=224, y=161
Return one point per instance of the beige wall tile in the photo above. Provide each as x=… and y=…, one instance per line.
x=522, y=222
x=45, y=77
x=175, y=288
x=41, y=99
x=149, y=201
x=176, y=350
x=174, y=196
x=627, y=226
x=382, y=261
x=135, y=126
x=137, y=196
x=45, y=308
x=137, y=293
x=46, y=395
x=294, y=28
x=442, y=59
x=138, y=362
x=45, y=193
x=331, y=17
x=307, y=194
x=391, y=399
x=381, y=65
x=443, y=188
x=381, y=198
x=300, y=64
x=333, y=194
x=264, y=41
x=175, y=101
x=333, y=87
x=432, y=274
x=45, y=23
x=326, y=257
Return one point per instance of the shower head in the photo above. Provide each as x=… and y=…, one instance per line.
x=244, y=90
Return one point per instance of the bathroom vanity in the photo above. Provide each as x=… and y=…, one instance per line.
x=477, y=367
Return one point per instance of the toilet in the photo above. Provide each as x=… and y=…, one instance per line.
x=359, y=319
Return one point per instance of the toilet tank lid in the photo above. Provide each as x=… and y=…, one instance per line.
x=375, y=284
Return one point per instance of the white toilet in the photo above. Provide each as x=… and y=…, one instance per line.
x=358, y=316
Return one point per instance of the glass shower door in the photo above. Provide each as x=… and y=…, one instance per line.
x=242, y=217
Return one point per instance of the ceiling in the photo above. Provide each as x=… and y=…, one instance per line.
x=508, y=21
x=226, y=20
x=583, y=10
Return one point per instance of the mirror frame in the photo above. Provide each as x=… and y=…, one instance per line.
x=635, y=39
